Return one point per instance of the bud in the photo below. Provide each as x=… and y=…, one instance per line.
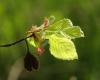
x=31, y=62
x=46, y=22
x=40, y=50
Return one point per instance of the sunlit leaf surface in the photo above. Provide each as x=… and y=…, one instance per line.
x=62, y=48
x=65, y=28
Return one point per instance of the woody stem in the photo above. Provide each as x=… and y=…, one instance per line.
x=13, y=43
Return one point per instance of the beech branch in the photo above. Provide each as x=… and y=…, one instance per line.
x=13, y=43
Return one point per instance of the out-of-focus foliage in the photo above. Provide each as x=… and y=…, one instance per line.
x=17, y=16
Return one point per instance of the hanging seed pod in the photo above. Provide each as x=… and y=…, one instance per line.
x=31, y=62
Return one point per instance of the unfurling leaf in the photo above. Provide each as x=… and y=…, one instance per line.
x=73, y=32
x=65, y=28
x=62, y=48
x=35, y=40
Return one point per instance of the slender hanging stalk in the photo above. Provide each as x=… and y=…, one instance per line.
x=27, y=46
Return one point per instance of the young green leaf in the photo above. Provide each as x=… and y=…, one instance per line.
x=65, y=28
x=58, y=26
x=64, y=23
x=73, y=32
x=62, y=48
x=33, y=42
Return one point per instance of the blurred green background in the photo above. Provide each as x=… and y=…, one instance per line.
x=17, y=16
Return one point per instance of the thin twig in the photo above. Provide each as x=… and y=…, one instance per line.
x=10, y=44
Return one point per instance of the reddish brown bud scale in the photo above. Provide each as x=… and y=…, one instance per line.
x=46, y=22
